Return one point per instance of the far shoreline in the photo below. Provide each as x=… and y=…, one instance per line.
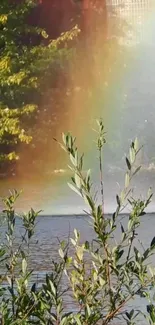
x=81, y=215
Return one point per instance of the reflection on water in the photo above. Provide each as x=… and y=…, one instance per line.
x=49, y=230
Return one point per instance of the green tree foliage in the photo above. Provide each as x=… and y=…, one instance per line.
x=24, y=67
x=16, y=77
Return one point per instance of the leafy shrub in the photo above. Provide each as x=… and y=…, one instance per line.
x=103, y=275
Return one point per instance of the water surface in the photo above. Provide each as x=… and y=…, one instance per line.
x=52, y=229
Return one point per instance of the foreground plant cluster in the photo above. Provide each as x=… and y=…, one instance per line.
x=102, y=276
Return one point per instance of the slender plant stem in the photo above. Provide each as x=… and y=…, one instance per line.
x=101, y=179
x=131, y=241
x=102, y=199
x=111, y=315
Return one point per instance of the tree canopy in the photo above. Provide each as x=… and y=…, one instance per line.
x=24, y=66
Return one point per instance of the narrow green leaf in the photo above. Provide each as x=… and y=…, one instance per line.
x=127, y=180
x=24, y=266
x=137, y=170
x=73, y=241
x=64, y=138
x=73, y=188
x=128, y=163
x=132, y=155
x=76, y=233
x=52, y=287
x=152, y=243
x=79, y=253
x=61, y=253
x=118, y=200
x=78, y=322
x=136, y=144
x=102, y=281
x=72, y=159
x=78, y=180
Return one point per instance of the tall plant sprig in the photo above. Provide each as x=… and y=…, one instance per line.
x=101, y=140
x=118, y=271
x=21, y=301
x=50, y=307
x=18, y=301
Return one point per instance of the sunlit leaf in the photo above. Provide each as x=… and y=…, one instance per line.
x=73, y=188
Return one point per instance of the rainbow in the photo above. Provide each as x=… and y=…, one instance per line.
x=96, y=88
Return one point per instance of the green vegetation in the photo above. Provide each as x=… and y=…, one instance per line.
x=26, y=66
x=103, y=275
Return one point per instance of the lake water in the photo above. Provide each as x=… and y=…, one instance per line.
x=49, y=230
